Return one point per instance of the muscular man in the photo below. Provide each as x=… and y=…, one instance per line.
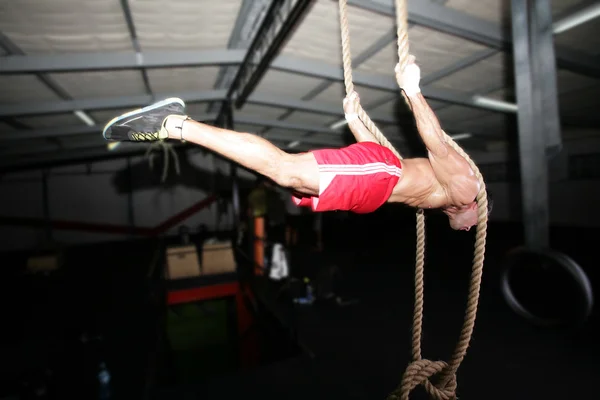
x=358, y=178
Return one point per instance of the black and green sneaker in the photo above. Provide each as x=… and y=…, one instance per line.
x=144, y=124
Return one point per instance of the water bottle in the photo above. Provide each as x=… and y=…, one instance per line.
x=104, y=383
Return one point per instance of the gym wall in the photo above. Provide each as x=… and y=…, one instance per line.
x=99, y=193
x=574, y=187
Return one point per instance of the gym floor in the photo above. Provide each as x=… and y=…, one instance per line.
x=359, y=351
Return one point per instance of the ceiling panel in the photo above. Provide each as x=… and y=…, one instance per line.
x=22, y=88
x=173, y=80
x=490, y=124
x=103, y=116
x=561, y=6
x=433, y=51
x=83, y=85
x=318, y=37
x=584, y=37
x=49, y=121
x=196, y=109
x=505, y=94
x=398, y=106
x=451, y=115
x=498, y=11
x=65, y=26
x=257, y=111
x=490, y=10
x=490, y=72
x=184, y=24
x=571, y=101
x=568, y=81
x=247, y=128
x=279, y=83
x=301, y=117
x=336, y=93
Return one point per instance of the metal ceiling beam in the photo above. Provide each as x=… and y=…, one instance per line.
x=457, y=23
x=82, y=62
x=12, y=136
x=76, y=130
x=276, y=27
x=423, y=13
x=46, y=79
x=248, y=19
x=54, y=107
x=65, y=106
x=134, y=41
x=374, y=81
x=324, y=71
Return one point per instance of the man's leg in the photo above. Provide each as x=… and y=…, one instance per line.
x=297, y=171
x=167, y=120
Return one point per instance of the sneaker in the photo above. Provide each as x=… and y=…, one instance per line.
x=144, y=124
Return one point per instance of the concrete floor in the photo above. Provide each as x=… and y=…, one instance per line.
x=360, y=351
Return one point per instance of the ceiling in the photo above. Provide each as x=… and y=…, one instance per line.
x=103, y=57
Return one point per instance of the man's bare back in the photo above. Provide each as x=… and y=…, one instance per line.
x=445, y=179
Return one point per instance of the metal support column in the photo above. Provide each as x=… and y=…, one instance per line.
x=544, y=71
x=539, y=130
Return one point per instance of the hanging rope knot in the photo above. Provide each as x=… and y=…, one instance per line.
x=419, y=373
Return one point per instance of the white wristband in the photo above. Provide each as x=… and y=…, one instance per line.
x=351, y=117
x=411, y=90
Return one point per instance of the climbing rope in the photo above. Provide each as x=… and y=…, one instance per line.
x=167, y=149
x=420, y=371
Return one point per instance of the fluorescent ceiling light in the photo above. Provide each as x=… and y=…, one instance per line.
x=576, y=19
x=460, y=136
x=84, y=117
x=338, y=125
x=293, y=144
x=493, y=104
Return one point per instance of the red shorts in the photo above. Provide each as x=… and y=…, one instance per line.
x=358, y=178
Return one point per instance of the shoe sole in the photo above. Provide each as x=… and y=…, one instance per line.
x=154, y=106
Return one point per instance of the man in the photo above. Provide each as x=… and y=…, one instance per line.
x=358, y=178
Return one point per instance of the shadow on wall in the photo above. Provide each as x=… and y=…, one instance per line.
x=141, y=176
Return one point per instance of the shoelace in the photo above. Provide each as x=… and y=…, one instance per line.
x=145, y=136
x=167, y=148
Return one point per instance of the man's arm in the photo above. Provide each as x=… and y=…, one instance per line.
x=428, y=125
x=451, y=170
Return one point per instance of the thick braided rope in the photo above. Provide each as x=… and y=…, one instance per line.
x=448, y=374
x=447, y=371
x=347, y=61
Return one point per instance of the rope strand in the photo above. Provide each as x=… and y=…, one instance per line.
x=420, y=371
